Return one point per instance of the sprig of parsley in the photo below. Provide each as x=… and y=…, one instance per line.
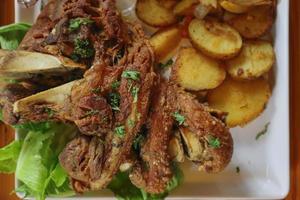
x=214, y=142
x=115, y=85
x=75, y=24
x=131, y=74
x=134, y=93
x=114, y=100
x=263, y=132
x=179, y=118
x=120, y=131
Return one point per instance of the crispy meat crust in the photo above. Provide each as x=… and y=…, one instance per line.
x=154, y=153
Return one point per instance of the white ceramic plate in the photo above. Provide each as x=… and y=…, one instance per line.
x=264, y=164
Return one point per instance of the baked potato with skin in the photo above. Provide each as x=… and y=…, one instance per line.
x=255, y=59
x=242, y=100
x=215, y=39
x=154, y=14
x=195, y=71
x=254, y=23
x=165, y=41
x=184, y=7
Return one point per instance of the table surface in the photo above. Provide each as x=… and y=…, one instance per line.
x=6, y=133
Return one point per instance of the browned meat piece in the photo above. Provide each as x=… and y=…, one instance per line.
x=82, y=159
x=208, y=129
x=154, y=172
x=93, y=115
x=134, y=95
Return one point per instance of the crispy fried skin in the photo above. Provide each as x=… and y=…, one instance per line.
x=199, y=120
x=132, y=113
x=154, y=153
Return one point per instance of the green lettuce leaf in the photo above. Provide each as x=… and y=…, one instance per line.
x=11, y=35
x=9, y=157
x=37, y=166
x=123, y=189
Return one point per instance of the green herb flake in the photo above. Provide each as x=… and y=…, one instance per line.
x=91, y=113
x=114, y=100
x=134, y=93
x=96, y=90
x=167, y=64
x=83, y=49
x=214, y=142
x=263, y=132
x=50, y=112
x=131, y=123
x=131, y=74
x=120, y=131
x=237, y=169
x=179, y=118
x=115, y=85
x=137, y=142
x=77, y=22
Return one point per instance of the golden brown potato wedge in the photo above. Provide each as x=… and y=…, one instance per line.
x=215, y=39
x=184, y=7
x=255, y=59
x=153, y=13
x=233, y=7
x=165, y=41
x=242, y=100
x=254, y=23
x=195, y=71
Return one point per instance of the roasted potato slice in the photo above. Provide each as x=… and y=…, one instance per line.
x=184, y=7
x=215, y=39
x=255, y=59
x=195, y=71
x=242, y=100
x=165, y=41
x=153, y=13
x=233, y=7
x=254, y=23
x=168, y=3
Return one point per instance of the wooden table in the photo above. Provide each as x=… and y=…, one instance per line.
x=6, y=134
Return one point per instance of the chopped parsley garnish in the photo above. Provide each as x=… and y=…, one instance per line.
x=82, y=49
x=134, y=93
x=214, y=142
x=263, y=132
x=96, y=90
x=114, y=100
x=50, y=112
x=115, y=85
x=131, y=123
x=120, y=131
x=91, y=113
x=77, y=22
x=237, y=169
x=165, y=65
x=11, y=81
x=131, y=74
x=138, y=141
x=179, y=118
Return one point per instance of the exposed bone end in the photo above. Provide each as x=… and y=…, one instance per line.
x=55, y=97
x=25, y=63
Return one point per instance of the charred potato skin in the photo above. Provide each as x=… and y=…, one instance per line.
x=254, y=23
x=154, y=14
x=195, y=71
x=217, y=31
x=242, y=100
x=256, y=58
